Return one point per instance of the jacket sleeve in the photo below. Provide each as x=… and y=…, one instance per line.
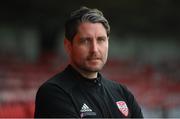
x=133, y=105
x=52, y=101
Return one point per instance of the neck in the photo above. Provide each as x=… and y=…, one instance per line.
x=86, y=74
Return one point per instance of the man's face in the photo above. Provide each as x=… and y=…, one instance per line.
x=89, y=48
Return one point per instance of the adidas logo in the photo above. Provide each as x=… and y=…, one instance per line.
x=85, y=108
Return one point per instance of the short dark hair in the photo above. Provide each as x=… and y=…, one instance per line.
x=81, y=15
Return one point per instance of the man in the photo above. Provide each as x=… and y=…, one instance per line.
x=80, y=90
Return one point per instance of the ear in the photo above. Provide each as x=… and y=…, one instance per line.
x=68, y=46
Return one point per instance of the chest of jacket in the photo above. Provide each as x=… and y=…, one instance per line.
x=99, y=101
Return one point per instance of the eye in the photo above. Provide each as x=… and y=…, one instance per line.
x=101, y=39
x=84, y=40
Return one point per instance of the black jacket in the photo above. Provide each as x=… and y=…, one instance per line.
x=68, y=94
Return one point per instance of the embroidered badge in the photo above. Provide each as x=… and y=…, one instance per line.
x=123, y=108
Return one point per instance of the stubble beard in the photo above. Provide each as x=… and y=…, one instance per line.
x=89, y=68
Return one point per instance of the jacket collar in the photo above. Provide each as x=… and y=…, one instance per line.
x=75, y=74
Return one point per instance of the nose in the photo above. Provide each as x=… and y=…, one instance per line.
x=94, y=46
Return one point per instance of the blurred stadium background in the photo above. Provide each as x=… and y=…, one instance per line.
x=144, y=50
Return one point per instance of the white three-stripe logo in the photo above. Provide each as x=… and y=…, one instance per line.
x=85, y=108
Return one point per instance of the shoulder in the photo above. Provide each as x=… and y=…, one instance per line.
x=114, y=86
x=56, y=88
x=53, y=98
x=60, y=82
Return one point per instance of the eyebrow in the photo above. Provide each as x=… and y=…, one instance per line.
x=102, y=37
x=91, y=37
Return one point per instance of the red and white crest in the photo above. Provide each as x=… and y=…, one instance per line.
x=123, y=107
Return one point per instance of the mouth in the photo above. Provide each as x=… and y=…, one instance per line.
x=94, y=59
